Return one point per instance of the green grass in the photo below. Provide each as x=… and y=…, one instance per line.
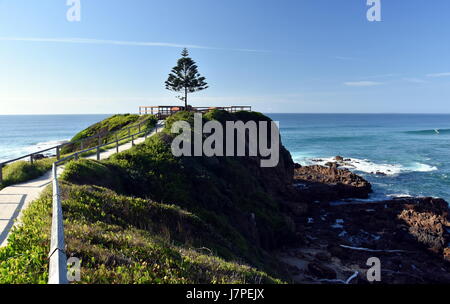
x=144, y=216
x=23, y=171
x=117, y=124
x=117, y=243
x=207, y=187
x=25, y=259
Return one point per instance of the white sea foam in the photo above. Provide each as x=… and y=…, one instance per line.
x=367, y=166
x=400, y=195
x=418, y=167
x=32, y=149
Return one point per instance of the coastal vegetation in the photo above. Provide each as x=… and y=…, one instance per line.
x=22, y=171
x=117, y=125
x=144, y=216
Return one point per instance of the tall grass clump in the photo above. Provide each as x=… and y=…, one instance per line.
x=23, y=171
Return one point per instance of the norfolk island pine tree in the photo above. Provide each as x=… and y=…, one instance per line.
x=185, y=77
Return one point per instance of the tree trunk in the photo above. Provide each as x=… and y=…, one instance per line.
x=185, y=99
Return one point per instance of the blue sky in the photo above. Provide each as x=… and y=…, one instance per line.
x=278, y=56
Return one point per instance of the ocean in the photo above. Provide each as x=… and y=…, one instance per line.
x=412, y=151
x=24, y=134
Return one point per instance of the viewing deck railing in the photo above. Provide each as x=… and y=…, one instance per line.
x=164, y=111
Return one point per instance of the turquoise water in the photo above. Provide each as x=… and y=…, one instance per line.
x=24, y=134
x=412, y=150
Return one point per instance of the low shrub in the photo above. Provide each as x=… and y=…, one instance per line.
x=23, y=171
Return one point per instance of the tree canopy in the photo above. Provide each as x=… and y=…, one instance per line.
x=185, y=77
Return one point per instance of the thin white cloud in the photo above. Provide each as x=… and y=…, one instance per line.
x=362, y=83
x=435, y=75
x=124, y=43
x=414, y=80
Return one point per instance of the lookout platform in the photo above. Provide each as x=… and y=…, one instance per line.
x=163, y=112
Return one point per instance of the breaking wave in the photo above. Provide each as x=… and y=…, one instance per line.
x=367, y=166
x=429, y=132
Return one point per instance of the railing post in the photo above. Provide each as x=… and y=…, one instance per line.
x=132, y=140
x=1, y=173
x=98, y=153
x=58, y=153
x=117, y=144
x=31, y=159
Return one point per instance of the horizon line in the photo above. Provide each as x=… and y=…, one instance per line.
x=307, y=113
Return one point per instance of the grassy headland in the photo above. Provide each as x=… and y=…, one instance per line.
x=144, y=216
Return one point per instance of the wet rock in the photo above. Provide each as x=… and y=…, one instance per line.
x=323, y=256
x=321, y=271
x=331, y=183
x=339, y=158
x=332, y=164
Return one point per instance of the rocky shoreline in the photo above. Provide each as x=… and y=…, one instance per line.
x=410, y=236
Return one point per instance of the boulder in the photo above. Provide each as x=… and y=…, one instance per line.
x=339, y=158
x=38, y=156
x=447, y=254
x=330, y=183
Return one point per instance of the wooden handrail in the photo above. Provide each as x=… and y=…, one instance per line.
x=57, y=255
x=60, y=146
x=169, y=110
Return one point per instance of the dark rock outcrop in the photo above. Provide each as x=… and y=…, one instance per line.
x=327, y=184
x=427, y=220
x=322, y=271
x=410, y=236
x=38, y=156
x=339, y=158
